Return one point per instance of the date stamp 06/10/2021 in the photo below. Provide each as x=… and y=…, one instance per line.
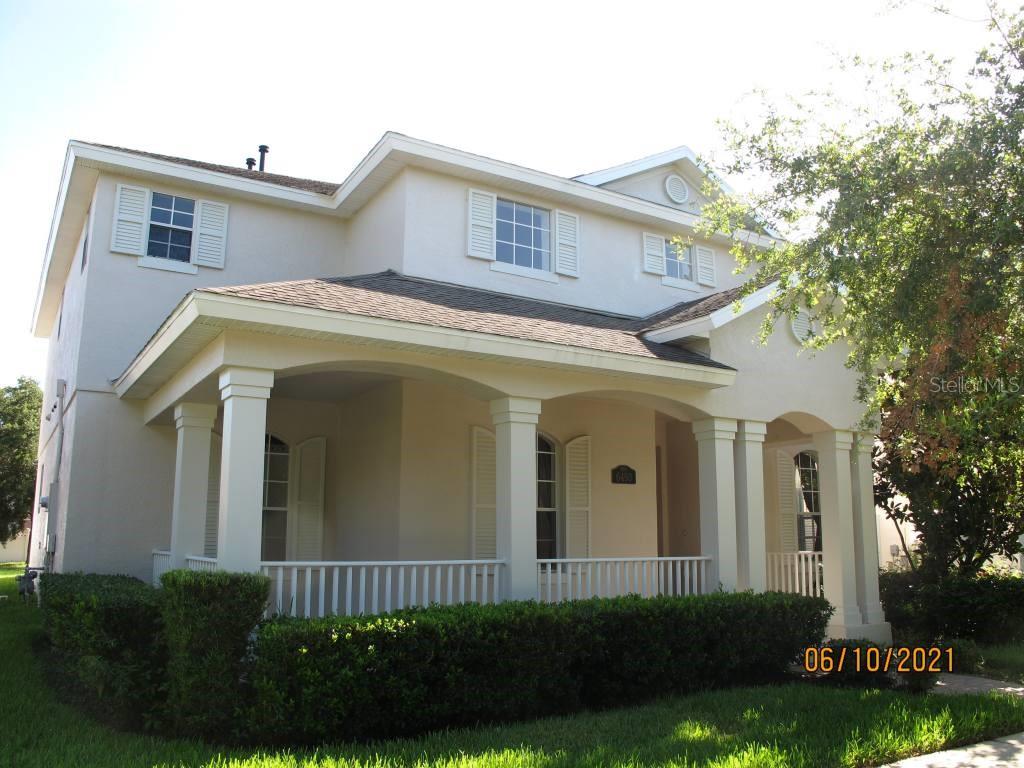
x=872, y=659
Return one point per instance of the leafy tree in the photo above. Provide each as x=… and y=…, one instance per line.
x=20, y=408
x=905, y=225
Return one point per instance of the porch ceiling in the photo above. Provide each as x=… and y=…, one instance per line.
x=393, y=311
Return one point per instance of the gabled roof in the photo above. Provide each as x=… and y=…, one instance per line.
x=308, y=185
x=392, y=296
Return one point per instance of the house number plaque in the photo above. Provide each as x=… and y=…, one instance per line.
x=623, y=475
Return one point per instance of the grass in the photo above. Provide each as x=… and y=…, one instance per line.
x=793, y=725
x=1004, y=662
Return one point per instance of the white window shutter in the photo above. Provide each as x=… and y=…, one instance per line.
x=131, y=209
x=485, y=494
x=705, y=266
x=577, y=497
x=567, y=244
x=307, y=478
x=787, y=480
x=211, y=234
x=212, y=500
x=482, y=213
x=654, y=253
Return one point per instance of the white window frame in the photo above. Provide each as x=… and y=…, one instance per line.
x=557, y=483
x=801, y=508
x=550, y=230
x=264, y=488
x=688, y=284
x=166, y=263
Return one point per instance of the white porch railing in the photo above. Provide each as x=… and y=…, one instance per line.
x=576, y=578
x=798, y=572
x=196, y=563
x=317, y=588
x=161, y=564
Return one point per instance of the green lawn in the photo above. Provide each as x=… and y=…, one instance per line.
x=792, y=725
x=1004, y=662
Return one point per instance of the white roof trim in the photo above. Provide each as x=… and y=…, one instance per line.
x=216, y=309
x=701, y=327
x=633, y=167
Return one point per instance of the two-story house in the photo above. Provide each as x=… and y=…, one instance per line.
x=447, y=378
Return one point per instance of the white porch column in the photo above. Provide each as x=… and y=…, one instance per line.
x=717, y=488
x=239, y=529
x=193, y=421
x=837, y=541
x=515, y=430
x=748, y=454
x=866, y=540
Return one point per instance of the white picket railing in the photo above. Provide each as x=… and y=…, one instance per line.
x=576, y=578
x=161, y=564
x=798, y=572
x=316, y=588
x=196, y=563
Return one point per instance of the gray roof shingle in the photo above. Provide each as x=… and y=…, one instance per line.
x=392, y=296
x=307, y=185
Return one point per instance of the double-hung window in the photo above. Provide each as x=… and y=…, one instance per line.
x=678, y=260
x=809, y=504
x=171, y=220
x=523, y=235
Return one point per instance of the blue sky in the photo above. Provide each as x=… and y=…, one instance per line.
x=562, y=87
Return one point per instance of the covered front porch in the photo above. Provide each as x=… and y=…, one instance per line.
x=360, y=489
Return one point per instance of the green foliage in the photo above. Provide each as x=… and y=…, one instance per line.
x=360, y=678
x=106, y=634
x=849, y=670
x=986, y=609
x=208, y=619
x=20, y=407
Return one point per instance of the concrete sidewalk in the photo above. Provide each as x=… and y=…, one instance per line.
x=998, y=753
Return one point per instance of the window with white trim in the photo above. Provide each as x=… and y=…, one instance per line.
x=678, y=260
x=276, y=458
x=523, y=235
x=547, y=496
x=808, y=518
x=171, y=221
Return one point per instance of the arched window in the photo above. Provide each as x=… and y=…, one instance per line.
x=275, y=499
x=547, y=498
x=808, y=519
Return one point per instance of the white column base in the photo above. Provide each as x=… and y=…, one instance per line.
x=880, y=633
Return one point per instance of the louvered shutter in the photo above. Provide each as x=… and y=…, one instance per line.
x=481, y=224
x=485, y=494
x=654, y=253
x=787, y=481
x=577, y=496
x=212, y=499
x=567, y=244
x=307, y=477
x=130, y=212
x=705, y=265
x=211, y=235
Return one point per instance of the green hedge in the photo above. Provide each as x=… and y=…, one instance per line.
x=310, y=681
x=986, y=609
x=208, y=620
x=106, y=634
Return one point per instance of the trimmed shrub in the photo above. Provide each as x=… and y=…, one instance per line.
x=986, y=609
x=310, y=681
x=106, y=632
x=208, y=619
x=850, y=667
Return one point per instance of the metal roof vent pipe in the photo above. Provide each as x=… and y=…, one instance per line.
x=263, y=156
x=250, y=163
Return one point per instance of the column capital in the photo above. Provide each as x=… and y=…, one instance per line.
x=714, y=428
x=516, y=410
x=835, y=439
x=246, y=382
x=201, y=415
x=752, y=431
x=864, y=442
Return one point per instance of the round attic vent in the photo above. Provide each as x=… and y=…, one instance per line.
x=676, y=189
x=801, y=326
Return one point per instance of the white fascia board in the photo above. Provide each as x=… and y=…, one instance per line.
x=230, y=310
x=702, y=327
x=58, y=208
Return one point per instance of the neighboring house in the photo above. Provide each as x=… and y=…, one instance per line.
x=446, y=378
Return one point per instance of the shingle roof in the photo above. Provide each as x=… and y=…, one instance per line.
x=691, y=310
x=392, y=296
x=308, y=185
